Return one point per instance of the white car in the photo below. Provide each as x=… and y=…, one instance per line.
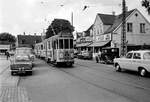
x=134, y=60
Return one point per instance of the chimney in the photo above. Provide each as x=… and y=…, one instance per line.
x=24, y=33
x=34, y=34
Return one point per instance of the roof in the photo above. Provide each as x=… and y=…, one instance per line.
x=28, y=39
x=107, y=19
x=99, y=43
x=118, y=21
x=89, y=28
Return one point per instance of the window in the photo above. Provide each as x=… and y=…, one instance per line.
x=146, y=55
x=44, y=45
x=41, y=47
x=54, y=45
x=49, y=45
x=142, y=27
x=23, y=41
x=136, y=56
x=129, y=27
x=129, y=55
x=60, y=43
x=66, y=43
x=71, y=43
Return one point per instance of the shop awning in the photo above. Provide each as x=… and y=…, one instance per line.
x=83, y=44
x=99, y=43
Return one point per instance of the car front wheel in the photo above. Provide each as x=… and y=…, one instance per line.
x=143, y=72
x=118, y=68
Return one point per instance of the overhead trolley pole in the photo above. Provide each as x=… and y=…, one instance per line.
x=123, y=33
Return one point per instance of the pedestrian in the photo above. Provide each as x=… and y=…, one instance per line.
x=7, y=55
x=96, y=57
x=99, y=55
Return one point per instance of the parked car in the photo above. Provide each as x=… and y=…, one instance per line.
x=134, y=60
x=85, y=55
x=108, y=54
x=21, y=63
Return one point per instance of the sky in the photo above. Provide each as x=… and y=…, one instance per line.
x=34, y=16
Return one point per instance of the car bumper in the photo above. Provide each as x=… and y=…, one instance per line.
x=21, y=68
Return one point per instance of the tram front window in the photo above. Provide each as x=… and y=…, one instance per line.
x=71, y=43
x=61, y=44
x=66, y=41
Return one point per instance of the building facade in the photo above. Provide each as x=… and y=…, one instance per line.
x=27, y=40
x=106, y=31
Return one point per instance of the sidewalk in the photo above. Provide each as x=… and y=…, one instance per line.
x=9, y=89
x=4, y=63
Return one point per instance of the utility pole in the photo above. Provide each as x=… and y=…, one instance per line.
x=72, y=18
x=123, y=33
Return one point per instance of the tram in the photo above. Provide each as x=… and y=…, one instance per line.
x=57, y=49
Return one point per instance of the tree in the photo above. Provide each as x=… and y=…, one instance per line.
x=57, y=26
x=146, y=4
x=7, y=37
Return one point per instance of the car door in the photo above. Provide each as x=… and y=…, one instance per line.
x=127, y=62
x=136, y=61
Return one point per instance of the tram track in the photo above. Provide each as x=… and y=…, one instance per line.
x=93, y=84
x=133, y=84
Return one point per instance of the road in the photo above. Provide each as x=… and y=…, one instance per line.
x=87, y=81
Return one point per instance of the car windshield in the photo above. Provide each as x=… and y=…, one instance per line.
x=146, y=55
x=22, y=58
x=23, y=51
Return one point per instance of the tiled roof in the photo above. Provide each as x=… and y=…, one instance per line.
x=118, y=21
x=28, y=39
x=107, y=19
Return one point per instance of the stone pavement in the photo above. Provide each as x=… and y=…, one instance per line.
x=9, y=89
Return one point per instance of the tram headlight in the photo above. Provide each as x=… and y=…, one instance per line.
x=61, y=55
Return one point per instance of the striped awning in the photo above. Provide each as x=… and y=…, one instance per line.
x=83, y=44
x=99, y=43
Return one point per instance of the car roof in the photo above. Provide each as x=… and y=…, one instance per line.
x=23, y=48
x=140, y=51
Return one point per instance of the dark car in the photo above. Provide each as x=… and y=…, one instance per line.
x=108, y=54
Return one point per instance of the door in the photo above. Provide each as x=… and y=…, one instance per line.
x=136, y=61
x=127, y=61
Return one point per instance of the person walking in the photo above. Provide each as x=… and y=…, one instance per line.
x=99, y=55
x=96, y=57
x=7, y=55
